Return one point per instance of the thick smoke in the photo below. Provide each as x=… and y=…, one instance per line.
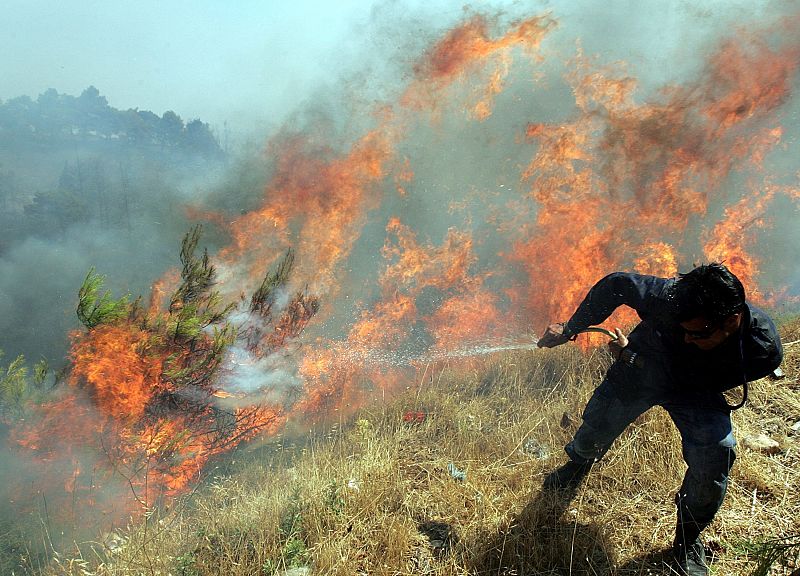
x=39, y=280
x=41, y=271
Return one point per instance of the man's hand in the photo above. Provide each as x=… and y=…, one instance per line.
x=616, y=346
x=553, y=336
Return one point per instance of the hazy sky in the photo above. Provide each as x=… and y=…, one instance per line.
x=235, y=61
x=248, y=62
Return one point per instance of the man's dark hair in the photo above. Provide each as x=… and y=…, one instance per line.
x=711, y=291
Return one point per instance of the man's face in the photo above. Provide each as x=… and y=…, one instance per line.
x=707, y=335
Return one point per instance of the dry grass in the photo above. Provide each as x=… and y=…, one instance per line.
x=374, y=495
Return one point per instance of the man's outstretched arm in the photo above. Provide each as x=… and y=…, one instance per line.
x=640, y=292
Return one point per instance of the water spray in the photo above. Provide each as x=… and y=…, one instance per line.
x=395, y=358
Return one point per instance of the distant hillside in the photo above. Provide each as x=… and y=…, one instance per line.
x=93, y=146
x=53, y=120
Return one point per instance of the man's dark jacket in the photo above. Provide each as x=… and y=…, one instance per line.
x=753, y=352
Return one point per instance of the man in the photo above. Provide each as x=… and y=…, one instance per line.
x=697, y=338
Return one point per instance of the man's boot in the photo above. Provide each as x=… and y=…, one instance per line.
x=690, y=556
x=568, y=476
x=690, y=559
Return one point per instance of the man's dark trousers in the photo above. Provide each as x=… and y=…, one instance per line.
x=703, y=421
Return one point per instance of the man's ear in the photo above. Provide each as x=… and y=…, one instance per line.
x=732, y=322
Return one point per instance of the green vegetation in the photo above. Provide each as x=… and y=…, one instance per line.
x=772, y=552
x=372, y=494
x=95, y=309
x=18, y=386
x=192, y=335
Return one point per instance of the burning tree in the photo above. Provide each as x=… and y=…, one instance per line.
x=152, y=376
x=299, y=310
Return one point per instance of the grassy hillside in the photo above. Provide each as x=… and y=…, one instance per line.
x=377, y=494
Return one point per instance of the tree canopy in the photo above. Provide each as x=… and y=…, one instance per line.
x=54, y=118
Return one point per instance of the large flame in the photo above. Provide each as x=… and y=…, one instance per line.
x=115, y=366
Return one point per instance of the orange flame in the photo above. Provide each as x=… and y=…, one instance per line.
x=113, y=362
x=464, y=51
x=326, y=200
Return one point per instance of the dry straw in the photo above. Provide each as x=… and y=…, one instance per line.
x=376, y=495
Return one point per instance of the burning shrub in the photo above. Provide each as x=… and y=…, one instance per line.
x=151, y=377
